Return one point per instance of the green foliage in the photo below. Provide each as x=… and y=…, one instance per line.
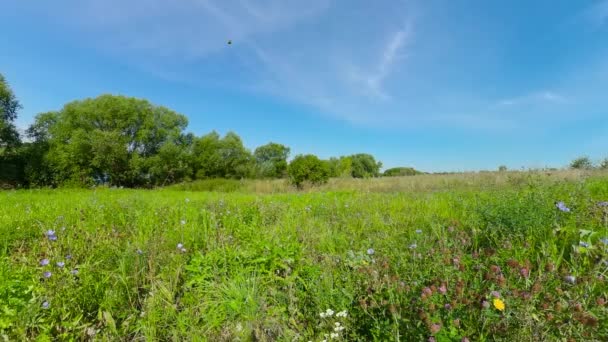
x=502, y=168
x=110, y=139
x=308, y=168
x=211, y=184
x=604, y=164
x=9, y=137
x=364, y=166
x=401, y=171
x=340, y=167
x=582, y=163
x=271, y=160
x=215, y=157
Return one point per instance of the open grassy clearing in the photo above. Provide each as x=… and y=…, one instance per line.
x=456, y=259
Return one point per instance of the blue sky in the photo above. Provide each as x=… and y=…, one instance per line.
x=438, y=85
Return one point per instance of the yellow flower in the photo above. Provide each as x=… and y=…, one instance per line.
x=499, y=304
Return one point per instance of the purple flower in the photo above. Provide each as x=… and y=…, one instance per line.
x=44, y=262
x=485, y=304
x=45, y=305
x=74, y=271
x=50, y=234
x=60, y=264
x=604, y=240
x=47, y=274
x=371, y=251
x=562, y=207
x=139, y=251
x=413, y=246
x=603, y=204
x=69, y=256
x=495, y=294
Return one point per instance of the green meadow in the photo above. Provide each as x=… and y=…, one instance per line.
x=488, y=257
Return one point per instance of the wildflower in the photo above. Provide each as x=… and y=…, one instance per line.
x=45, y=305
x=60, y=264
x=183, y=222
x=74, y=271
x=418, y=231
x=333, y=335
x=485, y=304
x=583, y=244
x=187, y=200
x=495, y=294
x=432, y=339
x=604, y=240
x=499, y=304
x=465, y=339
x=341, y=314
x=139, y=251
x=183, y=250
x=603, y=204
x=524, y=272
x=562, y=207
x=69, y=256
x=180, y=245
x=435, y=328
x=44, y=262
x=50, y=234
x=443, y=289
x=413, y=246
x=448, y=306
x=47, y=274
x=570, y=279
x=370, y=251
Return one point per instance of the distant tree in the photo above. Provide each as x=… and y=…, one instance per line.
x=108, y=139
x=502, y=168
x=308, y=168
x=340, y=167
x=604, y=164
x=215, y=157
x=364, y=166
x=271, y=160
x=401, y=171
x=9, y=105
x=581, y=163
x=11, y=163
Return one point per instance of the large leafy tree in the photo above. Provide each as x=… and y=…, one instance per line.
x=9, y=105
x=364, y=166
x=271, y=160
x=111, y=139
x=227, y=157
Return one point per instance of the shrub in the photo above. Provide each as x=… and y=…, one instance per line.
x=401, y=171
x=581, y=163
x=308, y=168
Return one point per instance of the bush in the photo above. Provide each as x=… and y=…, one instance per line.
x=581, y=163
x=308, y=168
x=401, y=171
x=502, y=168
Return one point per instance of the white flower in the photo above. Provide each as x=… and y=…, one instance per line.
x=329, y=312
x=341, y=314
x=323, y=315
x=333, y=335
x=337, y=324
x=338, y=329
x=183, y=222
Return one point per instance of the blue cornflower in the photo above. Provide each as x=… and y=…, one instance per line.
x=562, y=207
x=583, y=244
x=413, y=246
x=371, y=251
x=604, y=240
x=44, y=262
x=74, y=271
x=69, y=256
x=603, y=204
x=60, y=264
x=47, y=274
x=418, y=231
x=45, y=305
x=50, y=234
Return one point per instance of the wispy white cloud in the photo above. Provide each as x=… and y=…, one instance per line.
x=545, y=96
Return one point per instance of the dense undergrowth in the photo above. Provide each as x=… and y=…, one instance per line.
x=514, y=263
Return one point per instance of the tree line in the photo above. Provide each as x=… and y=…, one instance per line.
x=124, y=141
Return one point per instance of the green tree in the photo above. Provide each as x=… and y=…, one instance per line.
x=581, y=163
x=308, y=168
x=109, y=138
x=604, y=164
x=365, y=165
x=221, y=158
x=502, y=168
x=340, y=167
x=401, y=171
x=271, y=160
x=9, y=106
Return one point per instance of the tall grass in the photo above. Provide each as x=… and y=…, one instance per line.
x=408, y=259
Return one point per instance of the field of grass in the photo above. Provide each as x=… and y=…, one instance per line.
x=425, y=258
